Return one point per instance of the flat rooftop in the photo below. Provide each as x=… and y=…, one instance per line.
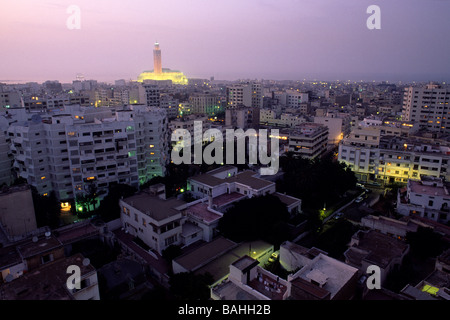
x=43, y=244
x=45, y=283
x=333, y=273
x=153, y=206
x=200, y=210
x=248, y=178
x=375, y=248
x=196, y=258
x=244, y=262
x=228, y=198
x=418, y=187
x=9, y=257
x=229, y=291
x=286, y=199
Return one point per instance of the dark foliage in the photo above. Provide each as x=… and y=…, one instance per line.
x=189, y=286
x=256, y=218
x=316, y=181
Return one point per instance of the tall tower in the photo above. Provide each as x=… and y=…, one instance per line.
x=157, y=67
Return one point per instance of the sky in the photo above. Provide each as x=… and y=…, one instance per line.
x=228, y=39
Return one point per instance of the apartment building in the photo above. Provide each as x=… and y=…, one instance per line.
x=375, y=248
x=428, y=198
x=149, y=94
x=224, y=186
x=428, y=106
x=161, y=222
x=309, y=140
x=270, y=117
x=245, y=94
x=205, y=103
x=69, y=153
x=5, y=160
x=394, y=158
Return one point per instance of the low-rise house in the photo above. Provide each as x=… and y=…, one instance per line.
x=428, y=198
x=370, y=247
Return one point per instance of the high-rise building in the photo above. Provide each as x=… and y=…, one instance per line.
x=85, y=147
x=149, y=95
x=309, y=140
x=205, y=103
x=246, y=95
x=428, y=106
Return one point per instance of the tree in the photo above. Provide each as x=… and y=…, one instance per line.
x=335, y=239
x=425, y=243
x=109, y=208
x=263, y=217
x=190, y=286
x=315, y=181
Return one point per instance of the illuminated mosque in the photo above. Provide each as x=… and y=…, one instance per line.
x=160, y=73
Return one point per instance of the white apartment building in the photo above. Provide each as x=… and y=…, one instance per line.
x=428, y=106
x=291, y=99
x=269, y=117
x=70, y=152
x=308, y=140
x=245, y=94
x=387, y=158
x=225, y=185
x=161, y=222
x=10, y=100
x=149, y=94
x=170, y=104
x=428, y=198
x=204, y=103
x=335, y=128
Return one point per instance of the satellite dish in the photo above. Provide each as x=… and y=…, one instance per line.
x=86, y=262
x=48, y=233
x=9, y=278
x=35, y=239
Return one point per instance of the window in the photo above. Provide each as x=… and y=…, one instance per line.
x=170, y=240
x=47, y=258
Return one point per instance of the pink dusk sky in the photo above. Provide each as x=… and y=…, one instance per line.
x=227, y=39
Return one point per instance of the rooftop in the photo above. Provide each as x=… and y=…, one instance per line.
x=420, y=188
x=202, y=212
x=219, y=267
x=375, y=248
x=245, y=262
x=153, y=206
x=198, y=257
x=46, y=283
x=228, y=198
x=230, y=291
x=42, y=244
x=287, y=200
x=330, y=273
x=248, y=178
